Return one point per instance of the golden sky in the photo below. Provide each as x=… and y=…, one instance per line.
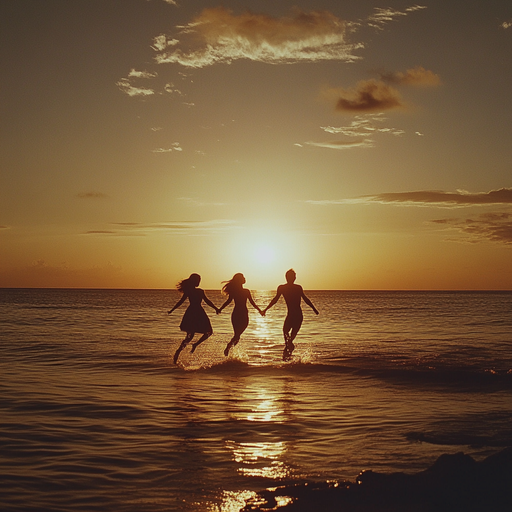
x=365, y=144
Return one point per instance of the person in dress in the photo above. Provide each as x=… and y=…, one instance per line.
x=195, y=320
x=293, y=294
x=240, y=316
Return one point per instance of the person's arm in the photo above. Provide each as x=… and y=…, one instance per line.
x=309, y=303
x=228, y=301
x=254, y=305
x=178, y=304
x=274, y=300
x=210, y=303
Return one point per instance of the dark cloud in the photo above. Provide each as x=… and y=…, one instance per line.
x=446, y=199
x=92, y=195
x=177, y=227
x=494, y=227
x=367, y=96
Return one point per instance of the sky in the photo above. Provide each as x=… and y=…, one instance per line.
x=365, y=144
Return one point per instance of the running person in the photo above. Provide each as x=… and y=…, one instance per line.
x=240, y=316
x=195, y=318
x=292, y=293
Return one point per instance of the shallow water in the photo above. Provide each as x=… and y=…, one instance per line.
x=94, y=415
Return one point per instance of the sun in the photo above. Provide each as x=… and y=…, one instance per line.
x=264, y=255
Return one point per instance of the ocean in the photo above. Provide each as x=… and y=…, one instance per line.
x=94, y=415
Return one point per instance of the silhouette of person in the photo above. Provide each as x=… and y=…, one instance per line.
x=292, y=293
x=240, y=316
x=195, y=318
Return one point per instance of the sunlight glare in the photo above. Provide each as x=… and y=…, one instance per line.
x=265, y=254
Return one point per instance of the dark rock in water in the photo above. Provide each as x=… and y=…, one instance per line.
x=454, y=483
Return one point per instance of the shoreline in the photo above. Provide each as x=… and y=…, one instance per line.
x=453, y=483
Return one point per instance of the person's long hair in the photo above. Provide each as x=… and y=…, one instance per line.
x=186, y=285
x=235, y=282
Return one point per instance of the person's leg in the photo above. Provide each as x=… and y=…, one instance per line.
x=292, y=329
x=239, y=321
x=184, y=343
x=204, y=337
x=234, y=340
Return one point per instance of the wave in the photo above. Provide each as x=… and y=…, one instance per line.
x=454, y=378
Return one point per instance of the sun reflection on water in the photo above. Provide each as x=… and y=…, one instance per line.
x=260, y=459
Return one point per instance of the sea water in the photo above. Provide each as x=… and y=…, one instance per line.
x=94, y=415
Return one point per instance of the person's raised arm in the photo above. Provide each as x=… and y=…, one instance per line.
x=274, y=300
x=309, y=303
x=178, y=304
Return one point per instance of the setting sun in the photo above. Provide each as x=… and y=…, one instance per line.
x=264, y=254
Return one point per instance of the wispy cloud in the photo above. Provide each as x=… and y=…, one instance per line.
x=129, y=84
x=381, y=16
x=431, y=198
x=189, y=201
x=217, y=35
x=175, y=146
x=494, y=227
x=364, y=125
x=418, y=76
x=131, y=90
x=141, y=74
x=361, y=130
x=342, y=144
x=444, y=199
x=4, y=227
x=174, y=227
x=92, y=195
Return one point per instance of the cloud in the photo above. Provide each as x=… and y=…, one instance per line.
x=342, y=144
x=430, y=198
x=494, y=227
x=175, y=146
x=381, y=16
x=131, y=90
x=364, y=125
x=367, y=96
x=217, y=35
x=507, y=24
x=92, y=195
x=189, y=201
x=141, y=74
x=444, y=199
x=418, y=76
x=176, y=227
x=362, y=130
x=4, y=227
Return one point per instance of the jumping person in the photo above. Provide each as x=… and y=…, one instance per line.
x=195, y=318
x=240, y=316
x=292, y=293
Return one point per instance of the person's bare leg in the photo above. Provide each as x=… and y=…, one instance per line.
x=184, y=343
x=204, y=337
x=234, y=340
